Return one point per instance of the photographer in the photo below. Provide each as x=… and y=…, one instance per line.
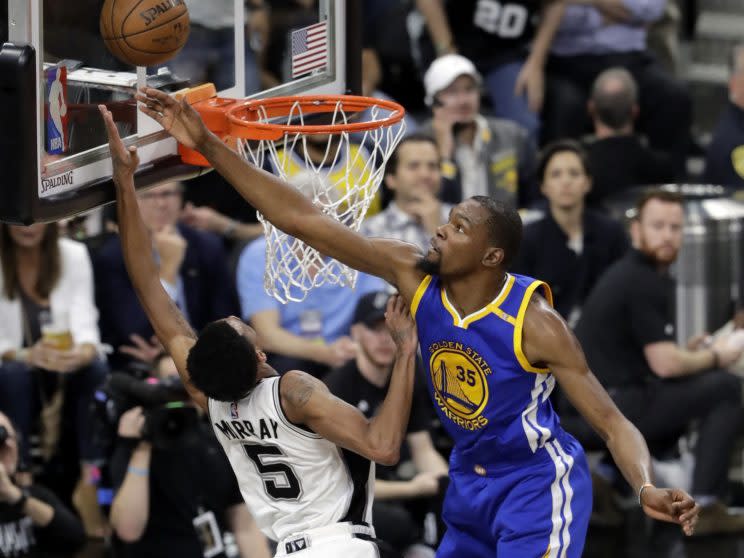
x=176, y=493
x=32, y=520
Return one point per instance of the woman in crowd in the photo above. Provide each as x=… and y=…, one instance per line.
x=49, y=342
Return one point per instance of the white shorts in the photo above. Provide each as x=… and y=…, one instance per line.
x=345, y=540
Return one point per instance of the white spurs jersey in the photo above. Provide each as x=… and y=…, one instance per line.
x=291, y=478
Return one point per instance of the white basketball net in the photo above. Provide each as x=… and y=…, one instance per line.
x=341, y=179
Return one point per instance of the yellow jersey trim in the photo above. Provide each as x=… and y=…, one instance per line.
x=504, y=316
x=520, y=325
x=491, y=307
x=420, y=290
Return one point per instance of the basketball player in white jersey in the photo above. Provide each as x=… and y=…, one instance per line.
x=302, y=457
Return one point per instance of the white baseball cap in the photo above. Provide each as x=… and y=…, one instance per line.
x=444, y=70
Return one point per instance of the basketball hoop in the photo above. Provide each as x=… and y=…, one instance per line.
x=340, y=177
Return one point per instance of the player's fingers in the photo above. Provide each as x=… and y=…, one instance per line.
x=390, y=306
x=690, y=515
x=151, y=113
x=108, y=121
x=138, y=340
x=396, y=305
x=161, y=96
x=132, y=352
x=684, y=505
x=400, y=305
x=133, y=155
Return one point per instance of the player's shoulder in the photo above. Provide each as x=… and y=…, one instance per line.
x=541, y=316
x=297, y=387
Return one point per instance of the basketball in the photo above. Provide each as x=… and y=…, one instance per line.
x=144, y=32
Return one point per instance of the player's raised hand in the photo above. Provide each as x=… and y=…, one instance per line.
x=672, y=505
x=400, y=324
x=125, y=160
x=178, y=118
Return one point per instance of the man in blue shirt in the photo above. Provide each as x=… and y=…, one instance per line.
x=311, y=335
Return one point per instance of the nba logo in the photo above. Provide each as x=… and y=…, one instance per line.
x=56, y=113
x=234, y=410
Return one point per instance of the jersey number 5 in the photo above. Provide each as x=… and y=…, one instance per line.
x=280, y=481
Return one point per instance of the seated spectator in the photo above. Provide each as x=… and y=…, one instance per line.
x=400, y=504
x=413, y=175
x=498, y=38
x=725, y=161
x=627, y=331
x=595, y=36
x=311, y=335
x=177, y=498
x=33, y=521
x=486, y=156
x=571, y=246
x=618, y=157
x=193, y=269
x=49, y=345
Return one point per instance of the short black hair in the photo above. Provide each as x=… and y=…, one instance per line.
x=504, y=226
x=222, y=363
x=667, y=196
x=614, y=107
x=561, y=146
x=391, y=167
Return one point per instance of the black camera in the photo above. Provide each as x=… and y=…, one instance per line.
x=170, y=420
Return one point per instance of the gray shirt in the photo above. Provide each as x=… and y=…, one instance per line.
x=500, y=163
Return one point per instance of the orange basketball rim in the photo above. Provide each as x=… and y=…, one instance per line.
x=239, y=119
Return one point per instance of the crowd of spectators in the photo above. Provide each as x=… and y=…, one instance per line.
x=557, y=107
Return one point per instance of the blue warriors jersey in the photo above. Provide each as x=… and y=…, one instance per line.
x=519, y=484
x=487, y=394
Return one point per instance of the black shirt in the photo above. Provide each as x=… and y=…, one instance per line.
x=725, y=161
x=183, y=482
x=622, y=162
x=19, y=538
x=347, y=383
x=489, y=32
x=545, y=254
x=631, y=306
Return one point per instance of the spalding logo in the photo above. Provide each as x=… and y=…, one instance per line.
x=152, y=14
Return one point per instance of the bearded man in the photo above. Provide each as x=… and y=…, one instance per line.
x=627, y=332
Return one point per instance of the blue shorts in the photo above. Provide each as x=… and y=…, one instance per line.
x=538, y=511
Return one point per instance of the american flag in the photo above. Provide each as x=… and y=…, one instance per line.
x=309, y=48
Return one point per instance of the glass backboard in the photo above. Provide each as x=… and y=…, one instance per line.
x=55, y=69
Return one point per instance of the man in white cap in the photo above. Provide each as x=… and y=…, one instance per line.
x=485, y=156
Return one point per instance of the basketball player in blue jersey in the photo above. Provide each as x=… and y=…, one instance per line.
x=493, y=348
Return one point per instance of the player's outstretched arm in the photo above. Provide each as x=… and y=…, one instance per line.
x=282, y=204
x=169, y=324
x=549, y=342
x=306, y=400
